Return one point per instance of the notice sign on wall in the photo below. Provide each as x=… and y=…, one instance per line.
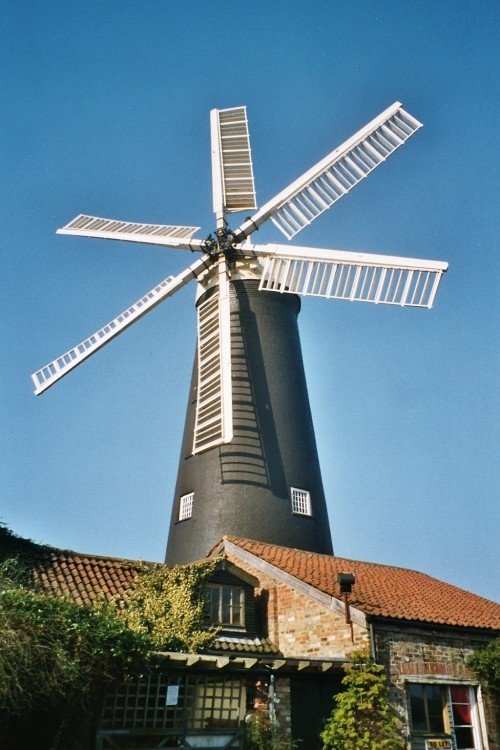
x=172, y=697
x=441, y=744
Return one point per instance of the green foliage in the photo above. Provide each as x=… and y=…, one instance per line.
x=53, y=651
x=260, y=735
x=485, y=663
x=56, y=657
x=167, y=605
x=362, y=718
x=52, y=648
x=24, y=550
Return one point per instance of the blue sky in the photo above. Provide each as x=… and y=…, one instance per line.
x=105, y=110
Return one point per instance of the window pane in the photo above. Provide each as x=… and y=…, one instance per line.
x=464, y=738
x=212, y=604
x=215, y=607
x=459, y=694
x=237, y=615
x=435, y=708
x=208, y=605
x=417, y=706
x=462, y=714
x=226, y=605
x=237, y=610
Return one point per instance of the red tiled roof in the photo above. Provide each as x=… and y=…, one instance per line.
x=382, y=590
x=379, y=591
x=83, y=577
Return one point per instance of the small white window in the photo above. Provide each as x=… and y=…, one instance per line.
x=301, y=502
x=186, y=506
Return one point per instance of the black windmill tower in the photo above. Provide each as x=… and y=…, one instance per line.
x=249, y=464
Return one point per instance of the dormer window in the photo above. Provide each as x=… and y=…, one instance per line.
x=225, y=605
x=301, y=502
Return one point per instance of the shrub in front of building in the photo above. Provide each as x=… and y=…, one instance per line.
x=362, y=718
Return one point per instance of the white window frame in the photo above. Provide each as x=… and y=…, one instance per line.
x=478, y=727
x=186, y=506
x=476, y=720
x=301, y=501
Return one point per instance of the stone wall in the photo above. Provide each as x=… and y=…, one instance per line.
x=436, y=654
x=283, y=707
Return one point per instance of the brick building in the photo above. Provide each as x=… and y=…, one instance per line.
x=283, y=642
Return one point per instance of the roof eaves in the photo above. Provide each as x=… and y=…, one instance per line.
x=259, y=662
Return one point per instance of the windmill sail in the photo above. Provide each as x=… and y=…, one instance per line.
x=360, y=277
x=335, y=175
x=55, y=370
x=232, y=170
x=128, y=231
x=214, y=408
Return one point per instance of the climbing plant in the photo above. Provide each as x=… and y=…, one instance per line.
x=485, y=663
x=362, y=718
x=168, y=604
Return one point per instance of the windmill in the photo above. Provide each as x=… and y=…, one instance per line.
x=249, y=463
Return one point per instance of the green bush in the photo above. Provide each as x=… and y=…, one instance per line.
x=362, y=718
x=261, y=736
x=53, y=650
x=57, y=657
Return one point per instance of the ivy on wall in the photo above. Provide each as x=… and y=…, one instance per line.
x=167, y=605
x=485, y=663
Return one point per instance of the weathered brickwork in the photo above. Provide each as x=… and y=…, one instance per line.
x=301, y=627
x=413, y=652
x=306, y=628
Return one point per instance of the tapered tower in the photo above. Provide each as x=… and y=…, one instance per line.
x=266, y=483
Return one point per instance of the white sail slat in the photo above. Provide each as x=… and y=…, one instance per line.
x=214, y=409
x=232, y=169
x=335, y=175
x=128, y=231
x=381, y=284
x=340, y=274
x=55, y=370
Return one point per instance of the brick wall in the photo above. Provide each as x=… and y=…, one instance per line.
x=433, y=653
x=299, y=626
x=306, y=628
